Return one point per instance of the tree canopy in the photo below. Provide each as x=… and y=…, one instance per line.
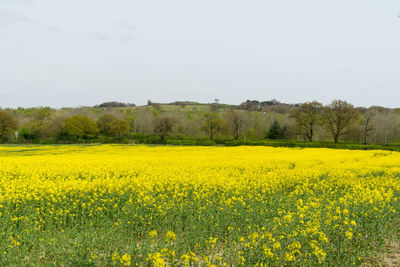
x=212, y=124
x=307, y=116
x=276, y=132
x=163, y=126
x=80, y=127
x=7, y=124
x=339, y=115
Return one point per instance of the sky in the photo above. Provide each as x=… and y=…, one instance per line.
x=84, y=52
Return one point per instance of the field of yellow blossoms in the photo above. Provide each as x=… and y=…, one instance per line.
x=127, y=205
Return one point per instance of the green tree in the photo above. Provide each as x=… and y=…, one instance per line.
x=111, y=125
x=104, y=123
x=163, y=126
x=8, y=124
x=38, y=127
x=119, y=128
x=42, y=114
x=212, y=124
x=338, y=116
x=80, y=127
x=307, y=116
x=131, y=118
x=276, y=132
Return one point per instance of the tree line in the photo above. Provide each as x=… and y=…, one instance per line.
x=251, y=120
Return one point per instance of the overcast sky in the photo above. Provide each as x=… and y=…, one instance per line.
x=83, y=52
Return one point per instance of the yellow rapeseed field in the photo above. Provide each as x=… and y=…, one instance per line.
x=195, y=206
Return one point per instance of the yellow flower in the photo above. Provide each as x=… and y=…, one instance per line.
x=115, y=257
x=277, y=245
x=170, y=236
x=349, y=235
x=125, y=260
x=153, y=233
x=268, y=253
x=156, y=259
x=249, y=201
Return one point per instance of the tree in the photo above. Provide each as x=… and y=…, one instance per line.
x=111, y=125
x=275, y=132
x=37, y=127
x=307, y=116
x=42, y=114
x=250, y=105
x=386, y=126
x=104, y=123
x=54, y=127
x=144, y=121
x=339, y=115
x=212, y=124
x=235, y=122
x=80, y=127
x=214, y=106
x=367, y=121
x=114, y=104
x=7, y=124
x=163, y=126
x=119, y=127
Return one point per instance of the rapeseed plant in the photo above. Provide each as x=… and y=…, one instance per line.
x=195, y=206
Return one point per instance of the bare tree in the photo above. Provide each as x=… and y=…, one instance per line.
x=339, y=115
x=367, y=125
x=386, y=127
x=54, y=127
x=235, y=122
x=144, y=121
